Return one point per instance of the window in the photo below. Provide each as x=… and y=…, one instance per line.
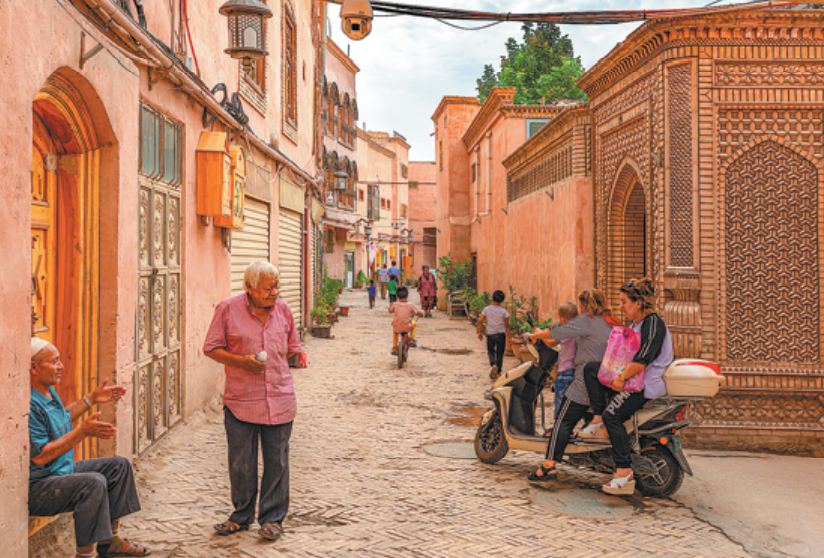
x=474, y=172
x=404, y=171
x=533, y=126
x=361, y=194
x=373, y=202
x=329, y=240
x=161, y=148
x=290, y=68
x=346, y=198
x=388, y=205
x=440, y=155
x=404, y=210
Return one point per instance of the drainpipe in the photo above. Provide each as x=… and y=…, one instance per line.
x=195, y=88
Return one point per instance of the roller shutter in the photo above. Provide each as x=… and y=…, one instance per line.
x=250, y=243
x=289, y=262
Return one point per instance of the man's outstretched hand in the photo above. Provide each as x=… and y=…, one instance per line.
x=97, y=429
x=105, y=394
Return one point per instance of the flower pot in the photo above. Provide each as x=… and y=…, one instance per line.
x=508, y=346
x=333, y=317
x=344, y=311
x=516, y=344
x=321, y=331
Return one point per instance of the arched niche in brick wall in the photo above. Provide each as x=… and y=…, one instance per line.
x=627, y=229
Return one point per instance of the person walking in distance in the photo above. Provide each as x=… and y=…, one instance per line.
x=371, y=290
x=497, y=330
x=252, y=335
x=383, y=279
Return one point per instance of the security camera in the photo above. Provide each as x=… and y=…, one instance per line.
x=356, y=18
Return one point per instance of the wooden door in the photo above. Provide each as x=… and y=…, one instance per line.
x=158, y=401
x=43, y=241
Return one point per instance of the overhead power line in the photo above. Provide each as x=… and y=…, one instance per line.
x=562, y=18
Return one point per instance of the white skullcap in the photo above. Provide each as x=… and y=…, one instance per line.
x=38, y=345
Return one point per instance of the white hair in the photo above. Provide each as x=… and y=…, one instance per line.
x=258, y=270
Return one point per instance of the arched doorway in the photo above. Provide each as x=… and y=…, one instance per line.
x=65, y=236
x=627, y=256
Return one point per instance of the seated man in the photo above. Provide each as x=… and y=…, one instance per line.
x=98, y=491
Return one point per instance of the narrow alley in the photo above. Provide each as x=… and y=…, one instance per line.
x=363, y=484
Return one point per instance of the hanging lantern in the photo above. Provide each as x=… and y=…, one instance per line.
x=368, y=230
x=341, y=178
x=246, y=36
x=410, y=236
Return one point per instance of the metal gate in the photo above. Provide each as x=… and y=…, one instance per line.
x=290, y=251
x=158, y=400
x=251, y=243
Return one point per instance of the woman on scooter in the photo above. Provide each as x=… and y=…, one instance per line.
x=612, y=405
x=591, y=330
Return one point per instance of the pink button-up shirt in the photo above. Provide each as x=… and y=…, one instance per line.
x=267, y=398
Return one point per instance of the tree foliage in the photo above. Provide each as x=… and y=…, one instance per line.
x=543, y=67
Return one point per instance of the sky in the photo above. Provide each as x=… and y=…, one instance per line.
x=409, y=64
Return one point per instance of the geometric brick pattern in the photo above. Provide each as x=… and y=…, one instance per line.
x=361, y=484
x=772, y=266
x=680, y=140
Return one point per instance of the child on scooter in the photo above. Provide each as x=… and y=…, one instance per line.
x=566, y=357
x=371, y=290
x=403, y=322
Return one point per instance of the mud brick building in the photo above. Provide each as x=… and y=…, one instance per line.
x=701, y=152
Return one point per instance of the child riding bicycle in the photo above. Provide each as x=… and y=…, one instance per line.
x=403, y=322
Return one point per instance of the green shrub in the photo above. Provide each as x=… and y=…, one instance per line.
x=454, y=276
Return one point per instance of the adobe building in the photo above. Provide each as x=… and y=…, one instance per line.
x=423, y=214
x=708, y=177
x=697, y=162
x=106, y=249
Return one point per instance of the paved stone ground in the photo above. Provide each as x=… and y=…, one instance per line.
x=363, y=486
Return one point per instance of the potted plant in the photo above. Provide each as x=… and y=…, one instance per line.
x=477, y=302
x=453, y=277
x=321, y=326
x=361, y=280
x=518, y=305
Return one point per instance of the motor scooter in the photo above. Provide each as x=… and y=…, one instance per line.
x=658, y=462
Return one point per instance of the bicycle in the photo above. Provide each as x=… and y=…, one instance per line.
x=404, y=342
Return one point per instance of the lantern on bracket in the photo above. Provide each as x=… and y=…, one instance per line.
x=246, y=37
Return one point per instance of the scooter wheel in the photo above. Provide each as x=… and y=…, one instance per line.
x=490, y=441
x=669, y=478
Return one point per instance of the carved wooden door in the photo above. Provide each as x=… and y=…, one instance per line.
x=158, y=399
x=43, y=244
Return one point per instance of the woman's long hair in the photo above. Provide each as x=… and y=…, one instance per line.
x=595, y=305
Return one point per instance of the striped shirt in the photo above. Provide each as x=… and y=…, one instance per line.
x=48, y=421
x=267, y=398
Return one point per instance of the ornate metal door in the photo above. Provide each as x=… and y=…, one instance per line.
x=159, y=308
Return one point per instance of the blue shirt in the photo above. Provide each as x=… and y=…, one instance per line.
x=395, y=271
x=371, y=290
x=48, y=421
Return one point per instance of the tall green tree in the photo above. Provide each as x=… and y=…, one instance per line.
x=542, y=68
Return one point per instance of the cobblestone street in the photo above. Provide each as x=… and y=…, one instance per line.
x=362, y=485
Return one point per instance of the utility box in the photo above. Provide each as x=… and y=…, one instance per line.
x=238, y=190
x=214, y=175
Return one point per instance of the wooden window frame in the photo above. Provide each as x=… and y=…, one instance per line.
x=290, y=67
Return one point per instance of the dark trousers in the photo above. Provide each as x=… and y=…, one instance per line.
x=495, y=347
x=98, y=492
x=242, y=438
x=569, y=414
x=615, y=407
x=371, y=302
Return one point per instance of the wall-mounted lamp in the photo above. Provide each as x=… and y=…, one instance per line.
x=409, y=233
x=246, y=29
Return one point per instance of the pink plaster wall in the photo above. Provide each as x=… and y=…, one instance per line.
x=451, y=121
x=423, y=211
x=113, y=97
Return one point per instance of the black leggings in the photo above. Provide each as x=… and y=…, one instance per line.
x=615, y=407
x=568, y=416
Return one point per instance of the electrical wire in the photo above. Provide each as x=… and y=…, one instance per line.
x=567, y=18
x=189, y=34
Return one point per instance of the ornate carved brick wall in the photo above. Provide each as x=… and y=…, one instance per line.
x=721, y=122
x=772, y=267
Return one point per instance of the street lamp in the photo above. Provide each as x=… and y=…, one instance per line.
x=246, y=29
x=409, y=233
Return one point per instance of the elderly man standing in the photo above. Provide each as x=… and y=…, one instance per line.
x=98, y=491
x=253, y=335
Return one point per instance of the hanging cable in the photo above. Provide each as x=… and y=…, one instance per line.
x=189, y=34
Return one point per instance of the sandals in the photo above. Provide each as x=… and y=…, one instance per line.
x=621, y=485
x=229, y=528
x=271, y=531
x=547, y=474
x=126, y=549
